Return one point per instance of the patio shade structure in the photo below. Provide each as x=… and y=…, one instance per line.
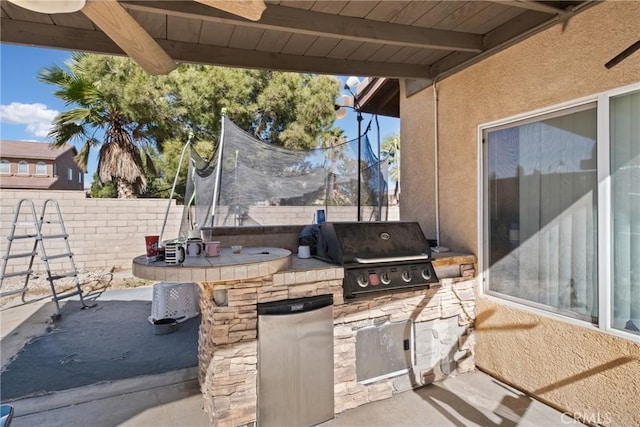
x=417, y=40
x=125, y=31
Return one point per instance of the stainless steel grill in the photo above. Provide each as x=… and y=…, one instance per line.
x=377, y=256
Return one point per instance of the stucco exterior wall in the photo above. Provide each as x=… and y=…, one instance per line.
x=569, y=366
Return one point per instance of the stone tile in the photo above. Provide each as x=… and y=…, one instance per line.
x=227, y=273
x=212, y=274
x=240, y=273
x=278, y=279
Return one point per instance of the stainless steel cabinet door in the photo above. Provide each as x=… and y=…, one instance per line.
x=295, y=368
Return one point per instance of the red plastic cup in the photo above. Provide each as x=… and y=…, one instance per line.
x=152, y=247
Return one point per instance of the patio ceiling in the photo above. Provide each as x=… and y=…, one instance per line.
x=395, y=39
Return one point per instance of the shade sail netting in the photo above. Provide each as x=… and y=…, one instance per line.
x=261, y=183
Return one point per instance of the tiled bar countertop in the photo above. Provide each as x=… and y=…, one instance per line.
x=251, y=263
x=254, y=262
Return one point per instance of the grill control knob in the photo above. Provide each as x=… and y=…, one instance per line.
x=385, y=278
x=406, y=276
x=426, y=274
x=362, y=281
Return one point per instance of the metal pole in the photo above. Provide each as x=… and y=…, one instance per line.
x=359, y=157
x=218, y=170
x=175, y=181
x=380, y=196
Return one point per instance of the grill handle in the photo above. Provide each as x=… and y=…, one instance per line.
x=421, y=257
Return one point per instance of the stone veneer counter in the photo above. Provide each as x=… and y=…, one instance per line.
x=442, y=316
x=251, y=263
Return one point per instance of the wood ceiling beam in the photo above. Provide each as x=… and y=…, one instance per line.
x=214, y=55
x=29, y=33
x=282, y=18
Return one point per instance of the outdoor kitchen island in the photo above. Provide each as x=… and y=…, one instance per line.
x=383, y=344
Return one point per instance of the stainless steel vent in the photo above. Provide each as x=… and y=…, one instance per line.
x=383, y=351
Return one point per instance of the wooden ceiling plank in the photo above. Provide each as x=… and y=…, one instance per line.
x=298, y=44
x=402, y=55
x=184, y=30
x=386, y=10
x=364, y=51
x=77, y=20
x=468, y=11
x=358, y=9
x=333, y=7
x=326, y=25
x=425, y=56
x=273, y=41
x=534, y=5
x=245, y=38
x=215, y=33
x=344, y=49
x=32, y=33
x=22, y=14
x=438, y=13
x=322, y=46
x=383, y=54
x=489, y=18
x=413, y=11
x=154, y=23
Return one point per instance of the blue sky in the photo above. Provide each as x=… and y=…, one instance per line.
x=27, y=107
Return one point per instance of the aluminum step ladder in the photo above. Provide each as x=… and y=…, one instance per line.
x=39, y=247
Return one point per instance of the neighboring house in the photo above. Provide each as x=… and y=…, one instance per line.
x=538, y=173
x=39, y=166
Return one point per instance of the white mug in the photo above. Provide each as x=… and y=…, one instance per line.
x=304, y=252
x=194, y=247
x=174, y=253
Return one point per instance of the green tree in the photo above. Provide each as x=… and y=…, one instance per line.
x=286, y=109
x=137, y=113
x=98, y=120
x=100, y=190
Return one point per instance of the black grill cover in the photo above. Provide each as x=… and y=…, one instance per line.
x=341, y=242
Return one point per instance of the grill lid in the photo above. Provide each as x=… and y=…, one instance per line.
x=372, y=242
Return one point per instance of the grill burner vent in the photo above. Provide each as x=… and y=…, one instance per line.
x=377, y=256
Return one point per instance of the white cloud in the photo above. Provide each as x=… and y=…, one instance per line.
x=37, y=117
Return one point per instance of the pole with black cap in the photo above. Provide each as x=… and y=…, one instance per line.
x=352, y=102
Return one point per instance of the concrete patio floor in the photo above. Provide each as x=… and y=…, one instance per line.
x=173, y=398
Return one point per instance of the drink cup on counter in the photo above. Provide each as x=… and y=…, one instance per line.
x=304, y=251
x=212, y=248
x=174, y=253
x=151, y=243
x=194, y=247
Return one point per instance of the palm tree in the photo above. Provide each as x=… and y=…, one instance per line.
x=95, y=112
x=391, y=147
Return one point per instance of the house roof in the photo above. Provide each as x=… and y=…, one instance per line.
x=27, y=182
x=32, y=150
x=397, y=39
x=380, y=96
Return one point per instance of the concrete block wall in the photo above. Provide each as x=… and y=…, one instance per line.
x=102, y=232
x=110, y=232
x=284, y=215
